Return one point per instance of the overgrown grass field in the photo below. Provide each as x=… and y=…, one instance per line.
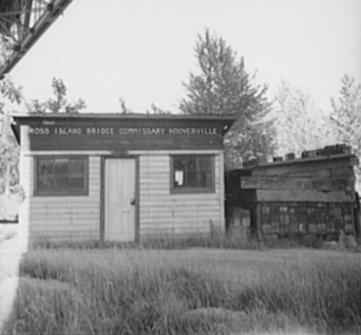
x=195, y=291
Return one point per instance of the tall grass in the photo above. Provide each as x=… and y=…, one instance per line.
x=149, y=292
x=214, y=240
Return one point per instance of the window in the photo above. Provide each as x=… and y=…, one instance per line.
x=191, y=173
x=61, y=175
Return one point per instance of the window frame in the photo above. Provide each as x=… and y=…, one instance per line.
x=190, y=190
x=63, y=192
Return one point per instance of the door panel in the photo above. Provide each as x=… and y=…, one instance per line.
x=119, y=193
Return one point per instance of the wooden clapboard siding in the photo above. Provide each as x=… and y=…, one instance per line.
x=67, y=217
x=163, y=212
x=318, y=172
x=313, y=195
x=305, y=196
x=173, y=231
x=321, y=168
x=299, y=183
x=176, y=227
x=324, y=179
x=62, y=235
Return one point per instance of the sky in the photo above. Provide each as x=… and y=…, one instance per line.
x=143, y=51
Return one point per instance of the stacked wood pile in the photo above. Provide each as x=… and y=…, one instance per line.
x=313, y=194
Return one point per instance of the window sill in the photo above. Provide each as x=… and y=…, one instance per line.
x=192, y=191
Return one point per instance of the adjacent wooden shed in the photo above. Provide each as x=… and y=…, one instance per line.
x=121, y=177
x=310, y=195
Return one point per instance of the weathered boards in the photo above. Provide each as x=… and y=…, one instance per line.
x=313, y=195
x=298, y=183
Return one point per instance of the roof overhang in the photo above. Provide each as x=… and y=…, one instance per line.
x=140, y=116
x=21, y=24
x=54, y=118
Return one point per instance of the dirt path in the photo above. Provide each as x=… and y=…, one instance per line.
x=12, y=247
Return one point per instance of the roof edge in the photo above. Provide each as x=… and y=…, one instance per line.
x=134, y=116
x=304, y=161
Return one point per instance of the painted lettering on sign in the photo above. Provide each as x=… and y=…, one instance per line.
x=116, y=131
x=192, y=131
x=39, y=131
x=99, y=131
x=67, y=131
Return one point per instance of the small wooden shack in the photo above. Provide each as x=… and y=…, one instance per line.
x=314, y=194
x=121, y=177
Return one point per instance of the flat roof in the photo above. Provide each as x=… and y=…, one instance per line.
x=120, y=116
x=302, y=161
x=89, y=117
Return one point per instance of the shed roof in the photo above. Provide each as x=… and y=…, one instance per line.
x=299, y=161
x=133, y=116
x=46, y=118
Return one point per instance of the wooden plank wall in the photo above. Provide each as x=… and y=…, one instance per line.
x=163, y=213
x=61, y=217
x=323, y=180
x=312, y=195
x=312, y=218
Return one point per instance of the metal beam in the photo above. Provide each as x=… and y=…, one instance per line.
x=29, y=32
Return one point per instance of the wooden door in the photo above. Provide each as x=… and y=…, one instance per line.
x=119, y=199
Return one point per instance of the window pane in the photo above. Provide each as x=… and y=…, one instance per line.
x=204, y=163
x=77, y=167
x=63, y=176
x=205, y=179
x=193, y=172
x=179, y=164
x=61, y=166
x=45, y=166
x=45, y=174
x=76, y=183
x=62, y=182
x=191, y=164
x=191, y=178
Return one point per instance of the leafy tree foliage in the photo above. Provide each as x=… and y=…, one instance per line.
x=154, y=109
x=346, y=117
x=59, y=103
x=9, y=150
x=123, y=105
x=10, y=92
x=299, y=124
x=223, y=87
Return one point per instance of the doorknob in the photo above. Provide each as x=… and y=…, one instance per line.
x=132, y=202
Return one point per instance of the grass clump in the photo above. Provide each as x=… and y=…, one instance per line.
x=216, y=239
x=187, y=292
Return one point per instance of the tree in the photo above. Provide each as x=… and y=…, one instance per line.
x=223, y=87
x=9, y=151
x=346, y=118
x=59, y=103
x=124, y=107
x=154, y=109
x=299, y=124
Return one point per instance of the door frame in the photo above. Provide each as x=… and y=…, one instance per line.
x=102, y=193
